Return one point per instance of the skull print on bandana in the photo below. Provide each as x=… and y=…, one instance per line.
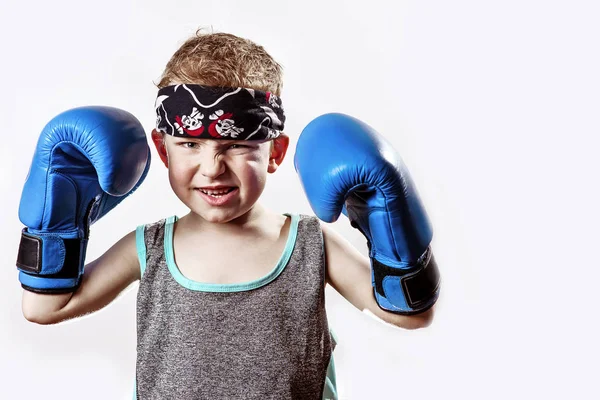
x=198, y=111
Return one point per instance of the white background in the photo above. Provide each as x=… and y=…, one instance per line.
x=493, y=106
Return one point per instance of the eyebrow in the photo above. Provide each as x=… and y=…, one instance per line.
x=221, y=142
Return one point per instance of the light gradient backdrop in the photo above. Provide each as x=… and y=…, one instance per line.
x=493, y=106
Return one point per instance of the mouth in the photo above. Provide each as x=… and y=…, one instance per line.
x=219, y=196
x=217, y=192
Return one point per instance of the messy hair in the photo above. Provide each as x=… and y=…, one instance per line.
x=225, y=60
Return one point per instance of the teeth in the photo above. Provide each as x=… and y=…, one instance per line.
x=217, y=193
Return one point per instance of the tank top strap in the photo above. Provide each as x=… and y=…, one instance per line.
x=149, y=239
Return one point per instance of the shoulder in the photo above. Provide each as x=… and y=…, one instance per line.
x=307, y=221
x=334, y=242
x=343, y=259
x=148, y=233
x=157, y=224
x=132, y=248
x=134, y=243
x=306, y=217
x=125, y=251
x=347, y=270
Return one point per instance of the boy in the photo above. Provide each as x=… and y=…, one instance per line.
x=231, y=297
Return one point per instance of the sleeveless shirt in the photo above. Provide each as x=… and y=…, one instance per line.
x=265, y=339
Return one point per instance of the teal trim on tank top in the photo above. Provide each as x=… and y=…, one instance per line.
x=330, y=391
x=141, y=248
x=231, y=287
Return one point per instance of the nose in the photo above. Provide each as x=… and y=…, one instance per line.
x=211, y=165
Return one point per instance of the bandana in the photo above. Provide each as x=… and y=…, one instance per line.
x=218, y=113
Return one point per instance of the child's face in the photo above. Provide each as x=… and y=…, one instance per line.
x=238, y=167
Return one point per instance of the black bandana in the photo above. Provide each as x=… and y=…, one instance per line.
x=218, y=113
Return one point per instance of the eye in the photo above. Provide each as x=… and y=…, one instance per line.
x=237, y=146
x=189, y=145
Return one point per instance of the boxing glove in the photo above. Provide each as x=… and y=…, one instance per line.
x=87, y=160
x=346, y=167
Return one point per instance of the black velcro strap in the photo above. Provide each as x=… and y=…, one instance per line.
x=70, y=267
x=418, y=287
x=29, y=257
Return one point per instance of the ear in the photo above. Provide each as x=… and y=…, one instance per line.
x=159, y=142
x=278, y=150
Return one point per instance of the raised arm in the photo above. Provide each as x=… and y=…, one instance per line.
x=349, y=273
x=87, y=160
x=345, y=166
x=103, y=280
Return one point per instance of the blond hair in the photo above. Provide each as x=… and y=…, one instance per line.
x=225, y=60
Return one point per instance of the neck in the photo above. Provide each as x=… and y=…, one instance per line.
x=244, y=224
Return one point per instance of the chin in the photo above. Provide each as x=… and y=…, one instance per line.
x=220, y=216
x=215, y=218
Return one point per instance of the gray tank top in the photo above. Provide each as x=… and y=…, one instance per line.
x=265, y=339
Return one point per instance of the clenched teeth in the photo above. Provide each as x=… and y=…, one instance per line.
x=216, y=192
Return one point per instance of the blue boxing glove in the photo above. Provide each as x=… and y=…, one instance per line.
x=345, y=166
x=87, y=160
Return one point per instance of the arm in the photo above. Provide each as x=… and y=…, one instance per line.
x=349, y=273
x=87, y=160
x=103, y=280
x=347, y=167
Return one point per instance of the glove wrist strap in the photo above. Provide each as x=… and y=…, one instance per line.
x=419, y=285
x=48, y=254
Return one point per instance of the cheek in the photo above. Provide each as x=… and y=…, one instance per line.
x=255, y=175
x=180, y=171
x=260, y=160
x=256, y=165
